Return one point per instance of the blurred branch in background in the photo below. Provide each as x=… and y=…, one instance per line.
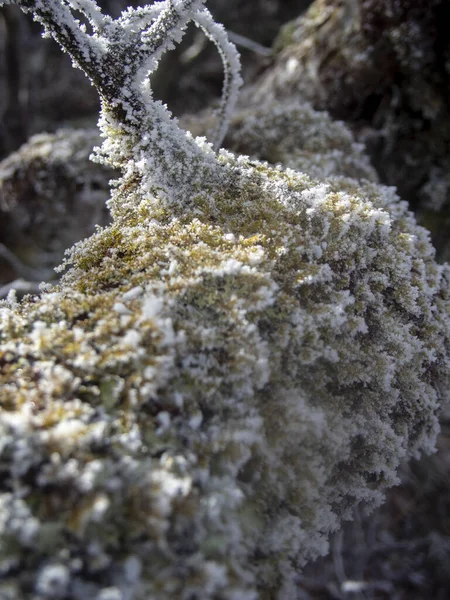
x=14, y=73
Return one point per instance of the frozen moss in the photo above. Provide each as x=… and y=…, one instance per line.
x=293, y=134
x=222, y=374
x=383, y=67
x=220, y=384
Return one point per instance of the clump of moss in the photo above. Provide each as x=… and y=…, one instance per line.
x=383, y=67
x=222, y=384
x=51, y=195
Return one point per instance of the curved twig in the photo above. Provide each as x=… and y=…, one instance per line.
x=232, y=71
x=118, y=56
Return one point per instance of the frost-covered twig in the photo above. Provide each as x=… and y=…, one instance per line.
x=59, y=22
x=245, y=42
x=91, y=10
x=159, y=30
x=119, y=57
x=232, y=68
x=165, y=31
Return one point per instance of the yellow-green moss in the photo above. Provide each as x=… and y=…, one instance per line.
x=274, y=347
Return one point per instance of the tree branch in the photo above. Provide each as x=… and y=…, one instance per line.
x=59, y=23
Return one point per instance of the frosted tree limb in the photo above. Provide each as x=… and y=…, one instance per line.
x=145, y=17
x=167, y=29
x=91, y=10
x=141, y=17
x=119, y=57
x=59, y=22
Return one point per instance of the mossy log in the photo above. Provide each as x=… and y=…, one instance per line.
x=384, y=68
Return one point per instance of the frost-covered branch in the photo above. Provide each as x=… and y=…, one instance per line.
x=165, y=31
x=91, y=10
x=59, y=22
x=119, y=57
x=144, y=18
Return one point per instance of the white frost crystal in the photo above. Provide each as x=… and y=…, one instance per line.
x=222, y=374
x=53, y=581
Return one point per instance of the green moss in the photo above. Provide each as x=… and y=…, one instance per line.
x=285, y=36
x=232, y=369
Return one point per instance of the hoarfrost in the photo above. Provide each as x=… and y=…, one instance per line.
x=223, y=373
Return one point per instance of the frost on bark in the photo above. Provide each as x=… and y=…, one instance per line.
x=245, y=354
x=383, y=67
